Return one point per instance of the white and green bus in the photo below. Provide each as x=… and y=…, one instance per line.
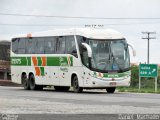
x=82, y=58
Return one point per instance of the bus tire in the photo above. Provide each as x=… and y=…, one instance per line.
x=61, y=88
x=110, y=89
x=33, y=85
x=76, y=87
x=25, y=82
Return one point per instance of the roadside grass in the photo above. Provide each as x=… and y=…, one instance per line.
x=136, y=90
x=147, y=86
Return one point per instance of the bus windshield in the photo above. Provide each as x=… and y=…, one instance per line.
x=109, y=55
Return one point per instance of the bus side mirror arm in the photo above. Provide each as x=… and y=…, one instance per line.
x=134, y=52
x=89, y=51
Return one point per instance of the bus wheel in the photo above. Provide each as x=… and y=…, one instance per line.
x=111, y=89
x=25, y=82
x=33, y=85
x=76, y=87
x=61, y=88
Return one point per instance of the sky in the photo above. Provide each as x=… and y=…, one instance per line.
x=131, y=28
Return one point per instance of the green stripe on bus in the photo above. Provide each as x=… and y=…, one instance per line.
x=71, y=60
x=59, y=61
x=51, y=61
x=113, y=75
x=29, y=61
x=42, y=71
x=21, y=61
x=39, y=61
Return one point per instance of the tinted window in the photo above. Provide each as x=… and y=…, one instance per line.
x=21, y=46
x=50, y=44
x=44, y=45
x=30, y=46
x=40, y=45
x=70, y=45
x=61, y=45
x=84, y=57
x=81, y=40
x=15, y=45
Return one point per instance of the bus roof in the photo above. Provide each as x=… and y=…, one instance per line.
x=91, y=33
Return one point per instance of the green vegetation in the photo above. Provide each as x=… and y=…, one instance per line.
x=136, y=90
x=147, y=84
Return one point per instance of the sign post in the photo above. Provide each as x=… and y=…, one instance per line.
x=139, y=82
x=155, y=84
x=148, y=70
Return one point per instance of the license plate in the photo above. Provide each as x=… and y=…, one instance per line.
x=113, y=83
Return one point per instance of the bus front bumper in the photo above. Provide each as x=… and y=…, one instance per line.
x=103, y=83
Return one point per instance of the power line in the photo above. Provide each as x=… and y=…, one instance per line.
x=75, y=17
x=49, y=25
x=134, y=23
x=37, y=25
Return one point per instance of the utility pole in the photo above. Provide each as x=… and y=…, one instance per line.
x=148, y=38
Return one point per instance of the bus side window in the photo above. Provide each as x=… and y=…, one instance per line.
x=83, y=51
x=60, y=45
x=21, y=46
x=84, y=56
x=29, y=46
x=71, y=46
x=15, y=45
x=40, y=45
x=50, y=44
x=80, y=40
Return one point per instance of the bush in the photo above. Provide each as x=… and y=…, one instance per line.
x=134, y=76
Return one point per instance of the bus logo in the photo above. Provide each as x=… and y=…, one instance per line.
x=16, y=61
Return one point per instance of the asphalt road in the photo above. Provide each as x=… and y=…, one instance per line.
x=15, y=100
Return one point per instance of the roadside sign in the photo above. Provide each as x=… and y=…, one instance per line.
x=148, y=70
